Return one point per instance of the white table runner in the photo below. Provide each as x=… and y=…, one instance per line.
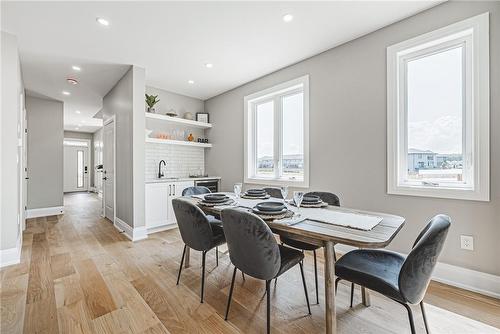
x=340, y=217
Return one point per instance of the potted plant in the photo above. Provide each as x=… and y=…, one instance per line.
x=151, y=100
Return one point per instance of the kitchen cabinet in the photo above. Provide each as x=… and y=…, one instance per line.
x=158, y=207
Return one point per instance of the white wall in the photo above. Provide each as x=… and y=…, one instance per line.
x=180, y=103
x=45, y=153
x=125, y=101
x=12, y=91
x=348, y=134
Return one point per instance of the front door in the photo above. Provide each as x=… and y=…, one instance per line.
x=109, y=170
x=76, y=156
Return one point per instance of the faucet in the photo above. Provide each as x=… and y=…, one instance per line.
x=160, y=173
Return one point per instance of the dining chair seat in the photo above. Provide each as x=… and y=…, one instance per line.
x=289, y=258
x=376, y=270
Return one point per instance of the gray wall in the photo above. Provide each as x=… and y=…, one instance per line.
x=10, y=185
x=126, y=102
x=348, y=122
x=89, y=136
x=45, y=152
x=180, y=103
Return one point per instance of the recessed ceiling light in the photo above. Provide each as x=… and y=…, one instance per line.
x=72, y=81
x=288, y=17
x=209, y=65
x=66, y=93
x=76, y=68
x=102, y=21
x=77, y=111
x=190, y=82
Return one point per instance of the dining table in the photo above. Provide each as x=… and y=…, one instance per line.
x=326, y=235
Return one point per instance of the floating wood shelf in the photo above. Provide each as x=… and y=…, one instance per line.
x=177, y=142
x=178, y=120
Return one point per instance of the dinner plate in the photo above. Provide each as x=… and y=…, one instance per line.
x=256, y=191
x=214, y=198
x=311, y=199
x=269, y=213
x=270, y=206
x=255, y=194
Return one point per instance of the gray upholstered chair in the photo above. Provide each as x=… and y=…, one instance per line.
x=273, y=192
x=403, y=279
x=254, y=251
x=200, y=190
x=197, y=233
x=197, y=190
x=331, y=199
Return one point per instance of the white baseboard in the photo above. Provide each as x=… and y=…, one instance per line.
x=134, y=234
x=467, y=279
x=11, y=256
x=44, y=212
x=161, y=228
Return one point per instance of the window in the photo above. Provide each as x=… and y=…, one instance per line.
x=277, y=134
x=438, y=111
x=79, y=169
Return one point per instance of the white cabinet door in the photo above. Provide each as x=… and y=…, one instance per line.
x=157, y=204
x=175, y=190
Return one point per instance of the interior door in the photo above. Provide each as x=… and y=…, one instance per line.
x=109, y=170
x=76, y=156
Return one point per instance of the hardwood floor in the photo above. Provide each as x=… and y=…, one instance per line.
x=78, y=274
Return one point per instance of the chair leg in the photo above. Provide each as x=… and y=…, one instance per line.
x=216, y=256
x=424, y=316
x=268, y=310
x=182, y=262
x=334, y=254
x=352, y=293
x=316, y=276
x=305, y=286
x=203, y=275
x=410, y=317
x=230, y=294
x=336, y=283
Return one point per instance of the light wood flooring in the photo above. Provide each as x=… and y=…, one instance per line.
x=78, y=274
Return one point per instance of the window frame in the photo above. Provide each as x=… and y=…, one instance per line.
x=473, y=35
x=276, y=94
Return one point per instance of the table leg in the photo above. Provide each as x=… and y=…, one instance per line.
x=365, y=296
x=330, y=315
x=186, y=260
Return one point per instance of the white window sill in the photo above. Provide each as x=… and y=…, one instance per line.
x=461, y=193
x=278, y=182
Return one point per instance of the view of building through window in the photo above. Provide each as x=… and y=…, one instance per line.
x=435, y=108
x=292, y=141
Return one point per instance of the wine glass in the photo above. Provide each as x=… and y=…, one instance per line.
x=237, y=191
x=297, y=198
x=284, y=193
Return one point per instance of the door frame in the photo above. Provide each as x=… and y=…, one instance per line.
x=89, y=158
x=112, y=119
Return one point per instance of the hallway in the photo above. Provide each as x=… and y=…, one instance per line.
x=78, y=274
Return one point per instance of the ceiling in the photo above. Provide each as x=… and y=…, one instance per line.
x=174, y=40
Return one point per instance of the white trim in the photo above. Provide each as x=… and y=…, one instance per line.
x=161, y=228
x=11, y=256
x=44, y=212
x=134, y=234
x=467, y=279
x=249, y=135
x=474, y=34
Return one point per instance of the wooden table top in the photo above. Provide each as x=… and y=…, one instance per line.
x=318, y=233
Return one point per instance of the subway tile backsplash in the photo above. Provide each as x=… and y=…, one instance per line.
x=181, y=160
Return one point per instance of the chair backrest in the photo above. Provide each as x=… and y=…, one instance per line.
x=194, y=227
x=274, y=192
x=416, y=271
x=326, y=197
x=252, y=247
x=198, y=190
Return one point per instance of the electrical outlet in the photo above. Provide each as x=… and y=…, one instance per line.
x=467, y=242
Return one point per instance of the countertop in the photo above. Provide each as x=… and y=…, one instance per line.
x=180, y=179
